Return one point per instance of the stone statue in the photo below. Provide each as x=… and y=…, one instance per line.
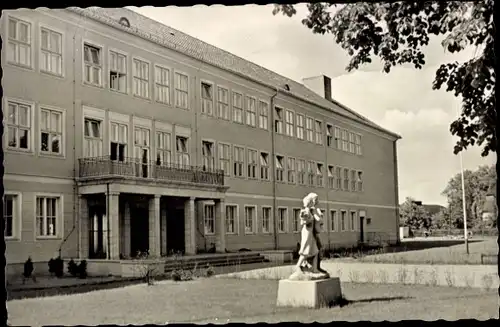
x=311, y=222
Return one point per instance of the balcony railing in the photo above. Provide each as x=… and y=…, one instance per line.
x=133, y=167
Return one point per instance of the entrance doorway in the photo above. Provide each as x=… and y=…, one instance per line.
x=139, y=228
x=175, y=230
x=98, y=232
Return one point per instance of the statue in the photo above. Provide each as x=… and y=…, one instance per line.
x=311, y=222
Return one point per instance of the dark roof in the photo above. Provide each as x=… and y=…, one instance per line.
x=432, y=209
x=171, y=38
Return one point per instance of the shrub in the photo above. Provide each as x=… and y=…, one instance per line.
x=82, y=269
x=56, y=267
x=28, y=268
x=72, y=268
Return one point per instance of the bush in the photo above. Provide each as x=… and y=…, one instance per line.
x=82, y=269
x=56, y=267
x=72, y=268
x=28, y=268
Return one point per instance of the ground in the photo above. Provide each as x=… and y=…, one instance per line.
x=234, y=300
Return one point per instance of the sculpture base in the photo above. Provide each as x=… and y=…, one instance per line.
x=310, y=293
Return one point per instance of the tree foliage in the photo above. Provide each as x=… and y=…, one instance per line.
x=413, y=215
x=398, y=32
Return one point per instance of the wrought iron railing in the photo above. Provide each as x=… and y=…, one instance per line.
x=133, y=167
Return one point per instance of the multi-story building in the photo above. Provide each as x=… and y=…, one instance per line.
x=122, y=135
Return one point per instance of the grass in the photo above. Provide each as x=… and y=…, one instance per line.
x=231, y=300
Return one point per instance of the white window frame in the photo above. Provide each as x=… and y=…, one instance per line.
x=209, y=208
x=238, y=110
x=278, y=120
x=251, y=113
x=352, y=142
x=359, y=181
x=329, y=136
x=252, y=165
x=254, y=219
x=264, y=167
x=207, y=104
x=59, y=218
x=160, y=84
x=92, y=65
x=343, y=222
x=301, y=171
x=333, y=221
x=235, y=218
x=352, y=220
x=223, y=111
x=17, y=214
x=310, y=129
x=99, y=141
x=291, y=164
x=353, y=178
x=338, y=177
x=345, y=139
x=280, y=168
x=358, y=140
x=331, y=177
x=225, y=163
x=239, y=162
x=285, y=220
x=300, y=126
x=61, y=134
x=345, y=178
x=209, y=160
x=141, y=78
x=17, y=126
x=289, y=122
x=311, y=172
x=318, y=131
x=263, y=115
x=337, y=137
x=181, y=156
x=320, y=174
x=18, y=43
x=50, y=52
x=165, y=150
x=296, y=220
x=269, y=209
x=178, y=91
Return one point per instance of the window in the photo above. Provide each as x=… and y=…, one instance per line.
x=51, y=131
x=266, y=220
x=338, y=141
x=360, y=181
x=19, y=49
x=300, y=127
x=209, y=219
x=51, y=52
x=331, y=177
x=10, y=214
x=301, y=170
x=163, y=148
x=279, y=168
x=251, y=111
x=207, y=99
x=207, y=149
x=47, y=215
x=141, y=78
x=162, y=84
x=263, y=115
x=346, y=179
x=182, y=150
x=264, y=166
x=319, y=174
x=329, y=135
x=118, y=144
x=181, y=90
x=237, y=108
x=319, y=132
x=358, y=144
x=278, y=120
x=309, y=129
x=252, y=164
x=352, y=143
x=310, y=173
x=345, y=140
x=338, y=184
x=353, y=220
x=19, y=126
x=282, y=220
x=231, y=215
x=291, y=169
x=225, y=158
x=223, y=103
x=117, y=71
x=296, y=220
x=142, y=152
x=249, y=220
x=353, y=180
x=289, y=123
x=333, y=220
x=92, y=56
x=342, y=221
x=238, y=161
x=92, y=146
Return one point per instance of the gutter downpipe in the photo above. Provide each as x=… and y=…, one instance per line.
x=107, y=222
x=396, y=189
x=273, y=170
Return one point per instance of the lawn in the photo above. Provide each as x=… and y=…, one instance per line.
x=454, y=254
x=234, y=300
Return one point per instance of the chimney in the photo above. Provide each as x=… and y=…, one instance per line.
x=321, y=85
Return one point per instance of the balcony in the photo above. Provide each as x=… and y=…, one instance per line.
x=103, y=167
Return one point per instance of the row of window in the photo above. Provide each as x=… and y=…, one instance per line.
x=48, y=216
x=240, y=108
x=346, y=222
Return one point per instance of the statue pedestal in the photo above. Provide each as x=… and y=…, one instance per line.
x=309, y=293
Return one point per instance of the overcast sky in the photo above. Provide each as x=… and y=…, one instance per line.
x=402, y=101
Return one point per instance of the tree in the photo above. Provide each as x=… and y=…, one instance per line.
x=414, y=215
x=398, y=32
x=441, y=219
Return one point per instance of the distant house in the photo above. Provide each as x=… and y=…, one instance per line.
x=489, y=209
x=433, y=209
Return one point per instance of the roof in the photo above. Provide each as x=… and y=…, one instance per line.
x=176, y=40
x=433, y=209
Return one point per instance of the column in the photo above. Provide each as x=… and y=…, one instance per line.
x=163, y=238
x=190, y=226
x=154, y=226
x=84, y=227
x=220, y=228
x=126, y=231
x=114, y=223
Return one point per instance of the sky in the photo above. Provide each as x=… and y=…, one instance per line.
x=402, y=101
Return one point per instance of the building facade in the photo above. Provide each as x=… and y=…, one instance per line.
x=125, y=135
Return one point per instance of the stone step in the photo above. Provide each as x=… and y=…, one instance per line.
x=214, y=263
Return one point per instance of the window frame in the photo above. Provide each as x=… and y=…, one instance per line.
x=358, y=146
x=62, y=54
x=320, y=174
x=59, y=216
x=277, y=122
x=310, y=136
x=285, y=219
x=176, y=91
x=333, y=221
x=254, y=219
x=262, y=117
x=280, y=171
x=31, y=29
x=205, y=206
x=291, y=172
x=214, y=154
x=140, y=78
x=242, y=163
x=352, y=220
x=329, y=135
x=250, y=113
x=228, y=104
x=228, y=160
x=157, y=85
x=235, y=109
x=318, y=132
x=31, y=129
x=289, y=126
x=343, y=227
x=300, y=127
x=109, y=70
x=331, y=177
x=62, y=145
x=17, y=215
x=169, y=150
x=359, y=181
x=255, y=165
x=301, y=174
x=264, y=167
x=187, y=153
x=235, y=218
x=271, y=226
x=102, y=67
x=295, y=221
x=203, y=99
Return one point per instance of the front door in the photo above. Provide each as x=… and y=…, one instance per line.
x=139, y=229
x=98, y=232
x=175, y=231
